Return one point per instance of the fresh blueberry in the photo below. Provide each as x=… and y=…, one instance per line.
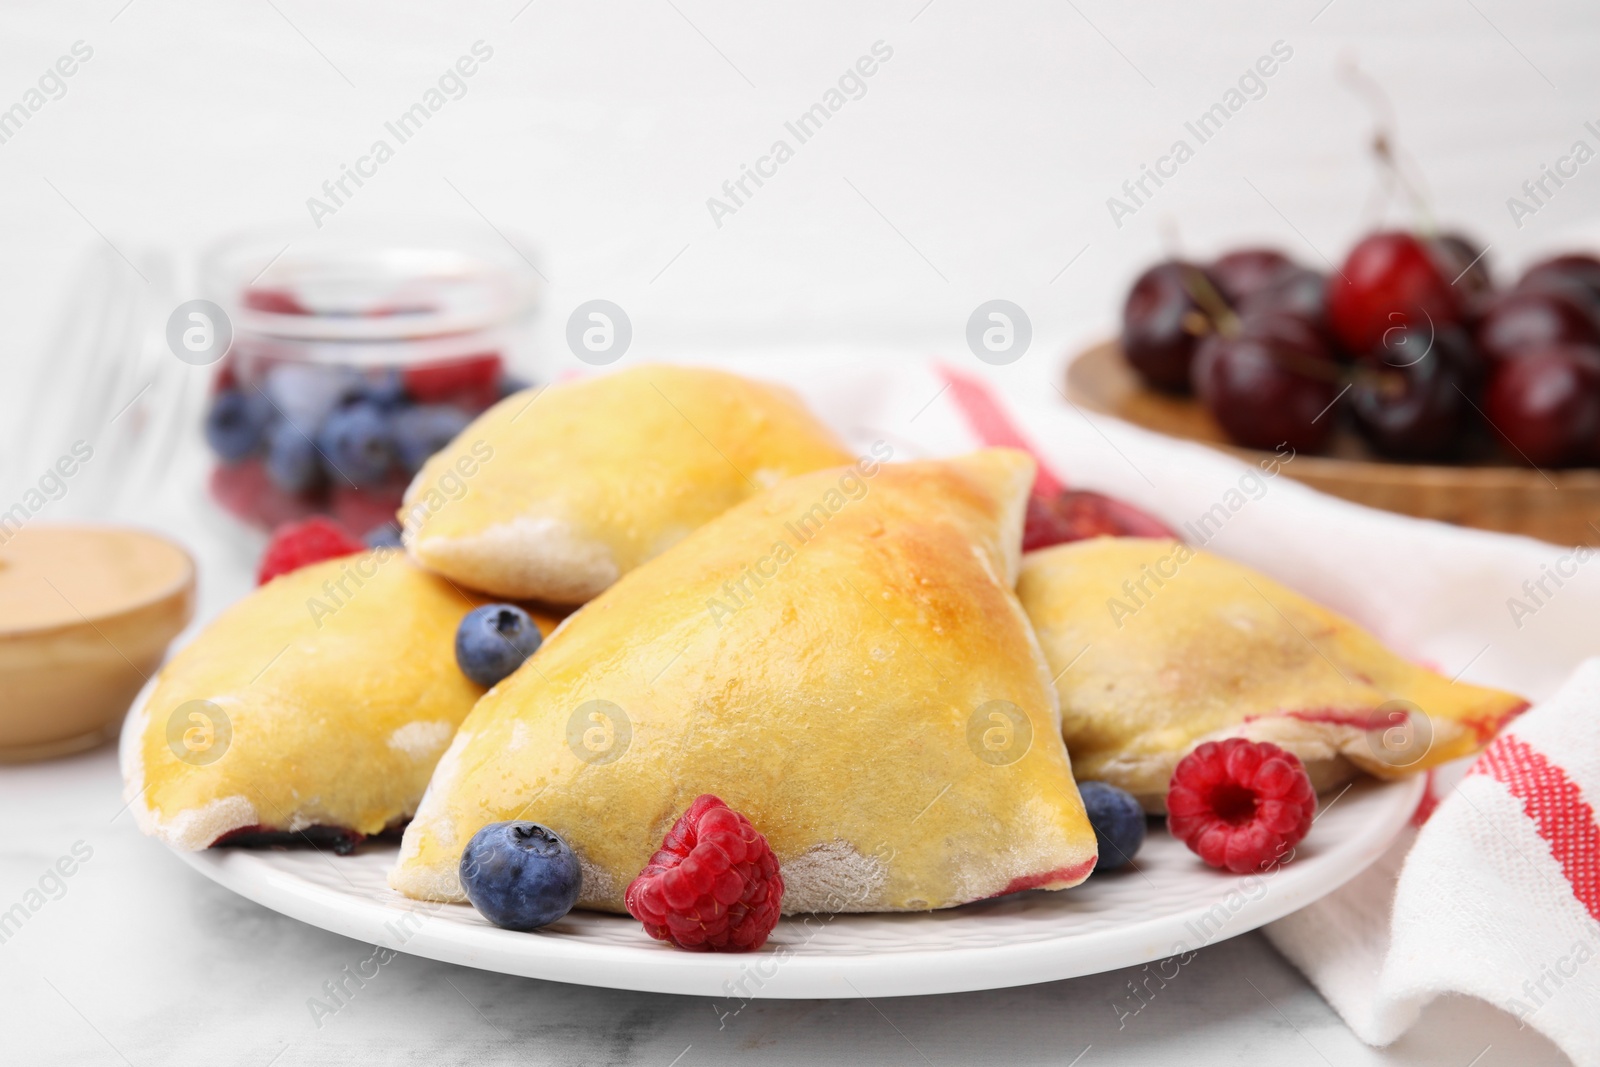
x=421, y=431
x=306, y=394
x=520, y=875
x=236, y=423
x=292, y=460
x=357, y=444
x=492, y=641
x=387, y=390
x=385, y=536
x=1118, y=823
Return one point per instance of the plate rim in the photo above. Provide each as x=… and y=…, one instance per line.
x=654, y=967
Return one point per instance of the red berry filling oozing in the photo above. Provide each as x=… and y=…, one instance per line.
x=1078, y=514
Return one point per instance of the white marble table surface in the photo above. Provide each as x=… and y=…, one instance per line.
x=977, y=165
x=144, y=962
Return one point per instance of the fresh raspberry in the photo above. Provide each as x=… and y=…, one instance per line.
x=296, y=544
x=471, y=381
x=274, y=301
x=1240, y=805
x=1077, y=514
x=713, y=886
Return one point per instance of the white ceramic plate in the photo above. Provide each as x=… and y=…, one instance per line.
x=1171, y=904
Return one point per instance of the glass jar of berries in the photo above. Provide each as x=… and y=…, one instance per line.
x=354, y=357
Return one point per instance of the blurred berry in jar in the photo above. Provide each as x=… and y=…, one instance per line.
x=385, y=389
x=293, y=463
x=306, y=394
x=273, y=301
x=344, y=337
x=356, y=444
x=422, y=430
x=249, y=494
x=236, y=423
x=472, y=381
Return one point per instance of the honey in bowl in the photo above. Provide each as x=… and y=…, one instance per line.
x=86, y=614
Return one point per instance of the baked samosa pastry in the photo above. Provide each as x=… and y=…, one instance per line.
x=1157, y=646
x=317, y=705
x=567, y=489
x=841, y=659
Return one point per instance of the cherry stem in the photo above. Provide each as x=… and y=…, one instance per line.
x=1384, y=140
x=1202, y=292
x=1325, y=370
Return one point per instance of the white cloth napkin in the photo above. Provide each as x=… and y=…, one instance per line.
x=1497, y=895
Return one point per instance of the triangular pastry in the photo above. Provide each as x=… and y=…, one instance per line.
x=337, y=689
x=841, y=659
x=553, y=495
x=1157, y=646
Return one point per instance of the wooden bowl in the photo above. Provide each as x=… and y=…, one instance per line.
x=1558, y=506
x=86, y=614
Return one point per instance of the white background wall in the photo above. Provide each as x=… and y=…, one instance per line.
x=990, y=141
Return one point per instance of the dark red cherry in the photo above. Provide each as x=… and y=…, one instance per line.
x=1297, y=292
x=1389, y=280
x=1535, y=318
x=1162, y=322
x=1271, y=383
x=1299, y=334
x=1466, y=267
x=1577, y=268
x=1569, y=287
x=1545, y=404
x=1418, y=410
x=1249, y=270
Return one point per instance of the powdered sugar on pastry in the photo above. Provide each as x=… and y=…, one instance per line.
x=197, y=828
x=542, y=558
x=598, y=885
x=443, y=882
x=190, y=830
x=833, y=877
x=422, y=740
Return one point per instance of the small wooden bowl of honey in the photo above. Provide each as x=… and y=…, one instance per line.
x=86, y=615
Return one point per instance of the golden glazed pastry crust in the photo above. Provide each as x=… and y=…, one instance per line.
x=554, y=494
x=841, y=659
x=1159, y=646
x=340, y=689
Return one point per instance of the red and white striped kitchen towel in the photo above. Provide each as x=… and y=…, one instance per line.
x=1497, y=895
